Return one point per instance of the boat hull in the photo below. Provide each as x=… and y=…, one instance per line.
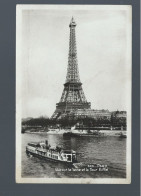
x=122, y=136
x=47, y=158
x=82, y=135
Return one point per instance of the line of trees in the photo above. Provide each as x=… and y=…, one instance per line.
x=68, y=122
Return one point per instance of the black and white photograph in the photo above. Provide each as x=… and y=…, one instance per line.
x=73, y=94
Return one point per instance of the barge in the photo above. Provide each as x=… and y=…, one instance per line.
x=45, y=151
x=82, y=133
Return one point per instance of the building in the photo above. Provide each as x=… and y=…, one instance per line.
x=118, y=119
x=73, y=96
x=95, y=114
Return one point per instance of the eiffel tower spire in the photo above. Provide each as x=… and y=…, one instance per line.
x=72, y=72
x=73, y=96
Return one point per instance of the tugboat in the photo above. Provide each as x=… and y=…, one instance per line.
x=45, y=151
x=122, y=135
x=83, y=133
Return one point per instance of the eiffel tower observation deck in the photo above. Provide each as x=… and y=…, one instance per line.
x=73, y=97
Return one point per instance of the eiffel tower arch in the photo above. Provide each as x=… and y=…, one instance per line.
x=73, y=96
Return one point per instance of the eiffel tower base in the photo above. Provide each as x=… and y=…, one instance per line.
x=65, y=108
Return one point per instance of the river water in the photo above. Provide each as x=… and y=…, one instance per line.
x=110, y=151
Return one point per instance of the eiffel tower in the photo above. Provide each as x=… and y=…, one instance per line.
x=73, y=97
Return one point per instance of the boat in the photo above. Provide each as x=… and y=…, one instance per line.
x=122, y=135
x=55, y=154
x=82, y=133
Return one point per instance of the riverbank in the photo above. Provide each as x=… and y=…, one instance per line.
x=62, y=131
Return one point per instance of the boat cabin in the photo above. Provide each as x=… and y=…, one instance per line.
x=68, y=155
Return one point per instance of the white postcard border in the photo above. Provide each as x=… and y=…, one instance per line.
x=19, y=178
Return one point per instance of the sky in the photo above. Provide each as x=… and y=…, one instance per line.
x=103, y=49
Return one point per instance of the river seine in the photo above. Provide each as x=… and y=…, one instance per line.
x=109, y=151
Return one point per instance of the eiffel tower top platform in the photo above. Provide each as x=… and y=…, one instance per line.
x=73, y=97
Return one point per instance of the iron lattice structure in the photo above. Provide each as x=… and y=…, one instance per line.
x=73, y=96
